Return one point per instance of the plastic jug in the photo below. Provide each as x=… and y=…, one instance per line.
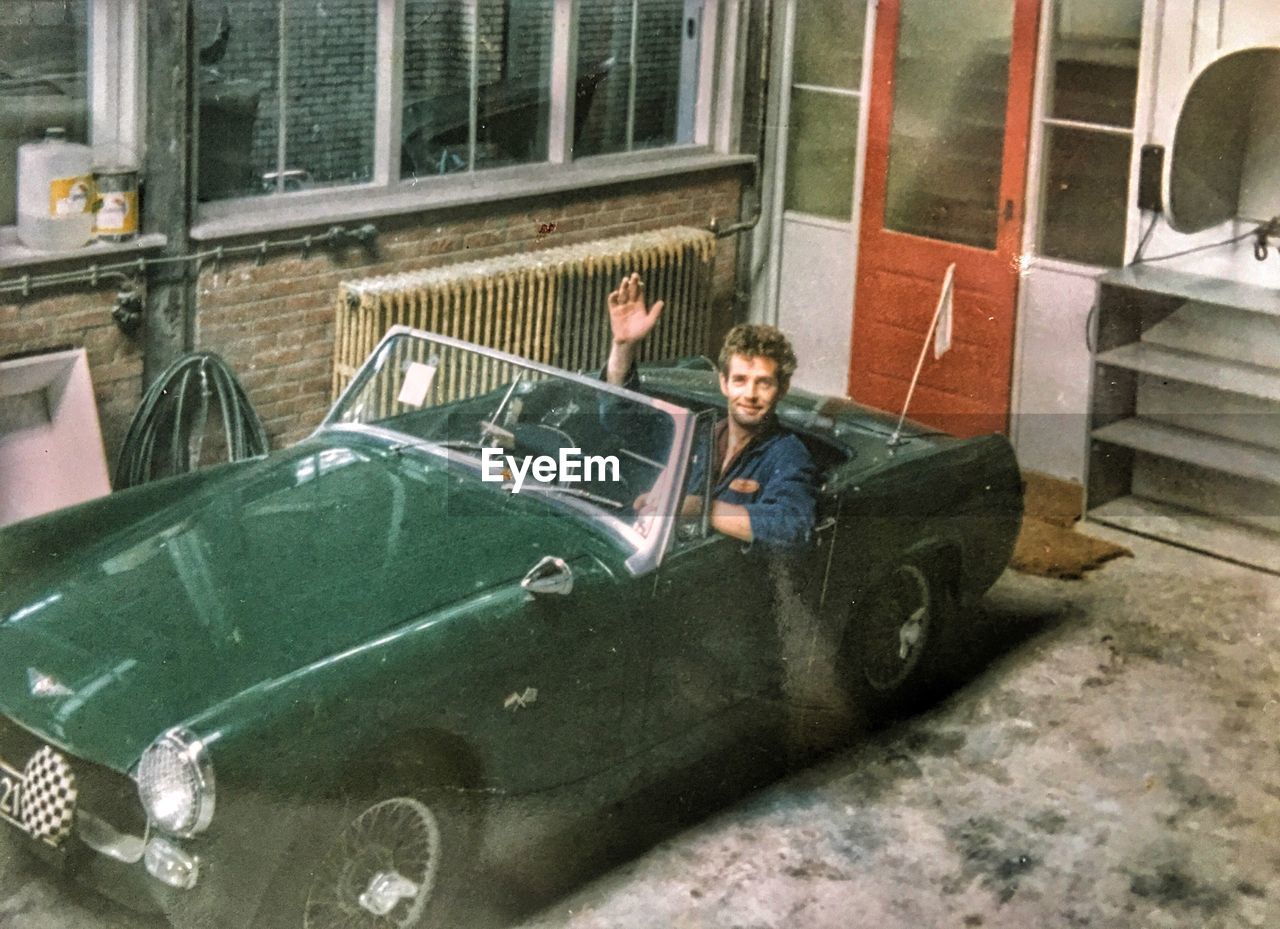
x=55, y=193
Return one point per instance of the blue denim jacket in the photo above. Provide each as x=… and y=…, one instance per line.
x=774, y=477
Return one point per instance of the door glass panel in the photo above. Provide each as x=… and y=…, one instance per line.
x=828, y=44
x=951, y=79
x=821, y=152
x=1086, y=188
x=1095, y=61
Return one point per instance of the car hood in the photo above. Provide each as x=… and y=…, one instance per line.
x=124, y=616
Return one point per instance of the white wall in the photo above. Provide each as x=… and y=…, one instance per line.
x=1192, y=34
x=1051, y=380
x=1053, y=365
x=816, y=300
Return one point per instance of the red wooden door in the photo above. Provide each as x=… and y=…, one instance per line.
x=950, y=113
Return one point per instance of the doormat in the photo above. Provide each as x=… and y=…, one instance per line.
x=1049, y=545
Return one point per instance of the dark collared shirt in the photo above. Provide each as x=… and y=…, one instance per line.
x=774, y=478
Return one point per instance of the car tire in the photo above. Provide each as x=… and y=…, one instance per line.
x=899, y=639
x=385, y=868
x=395, y=860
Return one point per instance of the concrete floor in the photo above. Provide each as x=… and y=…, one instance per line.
x=1113, y=762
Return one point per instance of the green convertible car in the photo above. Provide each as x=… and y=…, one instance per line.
x=373, y=679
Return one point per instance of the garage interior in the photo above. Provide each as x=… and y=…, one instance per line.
x=1102, y=173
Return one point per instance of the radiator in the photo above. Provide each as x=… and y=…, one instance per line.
x=546, y=305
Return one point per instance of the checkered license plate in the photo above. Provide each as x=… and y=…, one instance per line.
x=11, y=795
x=41, y=801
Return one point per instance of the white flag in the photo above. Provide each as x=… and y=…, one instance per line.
x=942, y=315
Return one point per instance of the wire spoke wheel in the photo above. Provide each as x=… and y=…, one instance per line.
x=898, y=628
x=380, y=872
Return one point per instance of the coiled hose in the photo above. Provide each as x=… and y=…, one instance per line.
x=168, y=433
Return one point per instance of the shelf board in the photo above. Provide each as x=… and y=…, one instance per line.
x=1234, y=294
x=1233, y=542
x=1226, y=455
x=1218, y=373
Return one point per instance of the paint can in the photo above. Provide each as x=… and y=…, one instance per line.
x=116, y=218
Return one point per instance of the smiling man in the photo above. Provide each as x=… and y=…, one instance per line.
x=764, y=482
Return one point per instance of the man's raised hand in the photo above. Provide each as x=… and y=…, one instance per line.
x=629, y=320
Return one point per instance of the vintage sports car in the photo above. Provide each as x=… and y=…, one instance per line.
x=371, y=678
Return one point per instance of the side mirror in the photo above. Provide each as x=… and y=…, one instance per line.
x=549, y=576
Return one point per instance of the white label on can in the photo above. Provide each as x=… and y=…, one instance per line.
x=117, y=213
x=69, y=196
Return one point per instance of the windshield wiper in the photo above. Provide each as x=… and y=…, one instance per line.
x=493, y=420
x=569, y=492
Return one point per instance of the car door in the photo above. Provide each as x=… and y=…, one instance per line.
x=559, y=694
x=713, y=646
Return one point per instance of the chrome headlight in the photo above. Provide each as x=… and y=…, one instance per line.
x=175, y=782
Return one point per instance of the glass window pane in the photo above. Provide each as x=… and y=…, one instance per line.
x=512, y=48
x=618, y=110
x=1095, y=61
x=331, y=53
x=827, y=49
x=604, y=60
x=658, y=46
x=43, y=61
x=946, y=142
x=1086, y=184
x=821, y=153
x=514, y=74
x=436, y=122
x=238, y=124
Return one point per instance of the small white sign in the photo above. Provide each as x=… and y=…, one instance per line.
x=417, y=384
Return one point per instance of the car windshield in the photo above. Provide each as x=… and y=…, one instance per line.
x=525, y=428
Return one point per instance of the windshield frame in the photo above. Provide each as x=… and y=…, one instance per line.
x=647, y=547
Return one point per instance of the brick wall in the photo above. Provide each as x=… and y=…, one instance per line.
x=274, y=323
x=48, y=321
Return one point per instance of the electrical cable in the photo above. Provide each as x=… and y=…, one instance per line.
x=1203, y=248
x=168, y=432
x=1146, y=237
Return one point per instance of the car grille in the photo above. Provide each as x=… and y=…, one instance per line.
x=107, y=794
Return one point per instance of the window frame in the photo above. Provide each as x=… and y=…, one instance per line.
x=114, y=89
x=117, y=107
x=713, y=131
x=1043, y=122
x=786, y=88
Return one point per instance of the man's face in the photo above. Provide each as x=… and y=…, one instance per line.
x=752, y=389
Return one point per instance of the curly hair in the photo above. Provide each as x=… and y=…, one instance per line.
x=756, y=340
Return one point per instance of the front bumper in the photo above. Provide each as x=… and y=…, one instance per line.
x=108, y=844
x=226, y=895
